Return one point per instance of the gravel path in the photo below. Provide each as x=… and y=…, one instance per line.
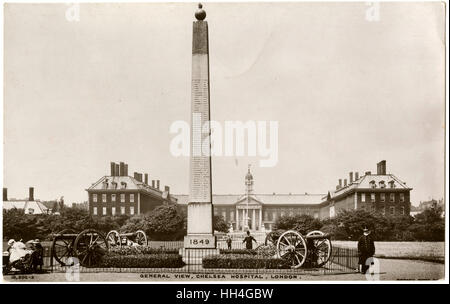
x=390, y=270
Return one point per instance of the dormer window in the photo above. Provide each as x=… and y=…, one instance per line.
x=123, y=185
x=114, y=185
x=373, y=185
x=392, y=184
x=382, y=185
x=105, y=184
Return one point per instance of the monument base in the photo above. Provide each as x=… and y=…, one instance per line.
x=193, y=256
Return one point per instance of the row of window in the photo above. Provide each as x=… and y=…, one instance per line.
x=383, y=197
x=382, y=185
x=113, y=185
x=268, y=216
x=391, y=210
x=113, y=211
x=113, y=198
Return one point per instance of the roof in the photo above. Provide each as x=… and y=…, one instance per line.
x=105, y=182
x=30, y=207
x=365, y=182
x=265, y=199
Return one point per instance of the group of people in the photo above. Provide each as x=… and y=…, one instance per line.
x=29, y=253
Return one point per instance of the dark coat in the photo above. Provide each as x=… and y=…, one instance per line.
x=366, y=248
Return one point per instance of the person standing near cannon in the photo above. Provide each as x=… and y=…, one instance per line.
x=229, y=241
x=248, y=240
x=366, y=249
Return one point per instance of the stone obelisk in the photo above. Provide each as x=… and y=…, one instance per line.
x=200, y=234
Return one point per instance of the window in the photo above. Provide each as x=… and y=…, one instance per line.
x=114, y=185
x=403, y=210
x=94, y=198
x=383, y=210
x=402, y=197
x=232, y=215
x=392, y=210
x=123, y=185
x=363, y=197
x=392, y=197
x=131, y=198
x=382, y=197
x=382, y=185
x=131, y=210
x=113, y=210
x=392, y=184
x=373, y=185
x=104, y=210
x=104, y=198
x=274, y=215
x=94, y=210
x=122, y=197
x=372, y=197
x=224, y=214
x=122, y=210
x=113, y=197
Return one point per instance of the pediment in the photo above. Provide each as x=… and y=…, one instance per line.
x=254, y=201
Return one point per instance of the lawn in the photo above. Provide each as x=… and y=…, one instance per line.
x=428, y=251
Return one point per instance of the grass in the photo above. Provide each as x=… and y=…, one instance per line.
x=425, y=251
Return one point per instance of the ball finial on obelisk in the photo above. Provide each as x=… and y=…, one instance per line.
x=200, y=14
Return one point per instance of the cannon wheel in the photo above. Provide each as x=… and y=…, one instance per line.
x=292, y=246
x=323, y=248
x=62, y=247
x=113, y=238
x=90, y=246
x=141, y=238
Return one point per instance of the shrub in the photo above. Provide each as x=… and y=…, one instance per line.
x=235, y=261
x=140, y=250
x=142, y=261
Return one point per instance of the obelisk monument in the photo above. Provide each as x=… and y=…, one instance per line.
x=200, y=234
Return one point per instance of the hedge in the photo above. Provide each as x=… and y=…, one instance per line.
x=141, y=250
x=238, y=251
x=142, y=261
x=244, y=262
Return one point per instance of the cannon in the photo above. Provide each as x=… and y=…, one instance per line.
x=312, y=250
x=87, y=246
x=116, y=239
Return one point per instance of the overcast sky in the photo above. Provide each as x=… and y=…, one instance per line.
x=347, y=93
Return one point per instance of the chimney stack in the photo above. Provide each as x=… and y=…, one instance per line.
x=368, y=173
x=350, y=177
x=356, y=176
x=125, y=170
x=146, y=178
x=157, y=184
x=31, y=194
x=166, y=189
x=113, y=169
x=117, y=170
x=136, y=176
x=381, y=168
x=153, y=183
x=5, y=194
x=340, y=183
x=345, y=182
x=122, y=169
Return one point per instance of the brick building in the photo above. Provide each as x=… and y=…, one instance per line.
x=381, y=192
x=119, y=193
x=29, y=205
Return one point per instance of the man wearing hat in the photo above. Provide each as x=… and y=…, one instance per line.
x=366, y=249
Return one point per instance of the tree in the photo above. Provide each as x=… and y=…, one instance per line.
x=166, y=223
x=303, y=223
x=220, y=224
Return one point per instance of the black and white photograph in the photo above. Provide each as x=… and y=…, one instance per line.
x=213, y=142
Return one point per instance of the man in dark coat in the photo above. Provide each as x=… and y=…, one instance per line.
x=366, y=249
x=248, y=240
